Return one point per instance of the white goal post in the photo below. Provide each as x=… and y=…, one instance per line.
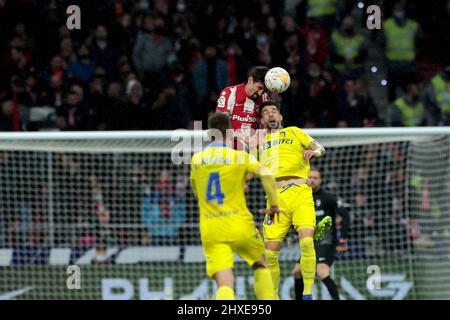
x=118, y=205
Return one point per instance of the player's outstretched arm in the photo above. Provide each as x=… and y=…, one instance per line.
x=315, y=150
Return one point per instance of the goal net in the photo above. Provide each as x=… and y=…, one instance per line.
x=110, y=215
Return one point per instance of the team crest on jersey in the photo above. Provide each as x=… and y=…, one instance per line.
x=318, y=203
x=283, y=134
x=221, y=102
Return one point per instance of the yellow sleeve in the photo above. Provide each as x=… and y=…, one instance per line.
x=265, y=175
x=304, y=138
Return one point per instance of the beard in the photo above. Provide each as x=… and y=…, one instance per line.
x=271, y=125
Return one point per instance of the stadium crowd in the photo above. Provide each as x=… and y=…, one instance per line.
x=161, y=64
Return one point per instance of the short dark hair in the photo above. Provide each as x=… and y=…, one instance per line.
x=258, y=73
x=220, y=121
x=269, y=103
x=315, y=169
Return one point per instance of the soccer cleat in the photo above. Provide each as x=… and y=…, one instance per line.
x=308, y=297
x=323, y=227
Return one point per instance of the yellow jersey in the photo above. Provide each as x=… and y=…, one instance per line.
x=217, y=179
x=283, y=151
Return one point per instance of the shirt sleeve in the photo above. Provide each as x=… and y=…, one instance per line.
x=222, y=102
x=252, y=163
x=304, y=138
x=192, y=175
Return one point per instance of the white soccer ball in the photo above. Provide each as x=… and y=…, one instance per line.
x=277, y=80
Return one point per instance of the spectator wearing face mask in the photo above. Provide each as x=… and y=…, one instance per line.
x=408, y=111
x=347, y=49
x=400, y=33
x=437, y=98
x=318, y=96
x=353, y=110
x=151, y=50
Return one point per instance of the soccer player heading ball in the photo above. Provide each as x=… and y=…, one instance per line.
x=287, y=151
x=242, y=102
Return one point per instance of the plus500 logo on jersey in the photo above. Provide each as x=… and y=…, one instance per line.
x=243, y=119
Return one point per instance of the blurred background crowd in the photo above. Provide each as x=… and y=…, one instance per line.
x=161, y=64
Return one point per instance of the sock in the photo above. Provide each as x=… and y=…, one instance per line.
x=263, y=284
x=298, y=288
x=332, y=287
x=274, y=267
x=225, y=293
x=308, y=264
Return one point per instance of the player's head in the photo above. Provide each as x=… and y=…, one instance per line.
x=314, y=179
x=271, y=117
x=218, y=124
x=255, y=82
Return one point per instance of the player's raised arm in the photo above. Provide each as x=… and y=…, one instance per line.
x=315, y=150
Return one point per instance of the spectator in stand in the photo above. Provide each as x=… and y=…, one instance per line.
x=318, y=96
x=54, y=95
x=209, y=77
x=6, y=123
x=75, y=113
x=325, y=11
x=82, y=68
x=315, y=41
x=32, y=89
x=151, y=50
x=102, y=53
x=348, y=51
x=237, y=63
x=66, y=50
x=20, y=31
x=437, y=98
x=123, y=34
x=170, y=110
x=289, y=55
x=163, y=209
x=130, y=114
x=408, y=111
x=57, y=67
x=400, y=35
x=353, y=109
x=263, y=56
x=364, y=225
x=105, y=112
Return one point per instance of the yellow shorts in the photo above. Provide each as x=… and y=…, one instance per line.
x=298, y=204
x=219, y=255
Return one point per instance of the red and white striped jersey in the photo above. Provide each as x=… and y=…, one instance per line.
x=243, y=110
